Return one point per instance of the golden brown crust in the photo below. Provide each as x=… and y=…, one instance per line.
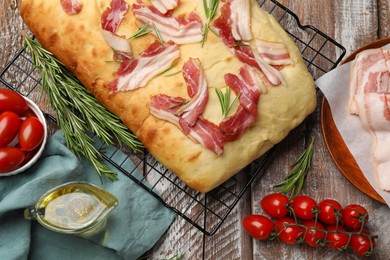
x=77, y=41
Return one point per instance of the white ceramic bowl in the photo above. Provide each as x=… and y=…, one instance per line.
x=37, y=111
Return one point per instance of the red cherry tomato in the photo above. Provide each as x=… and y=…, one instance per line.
x=329, y=210
x=314, y=237
x=9, y=127
x=287, y=234
x=362, y=245
x=31, y=134
x=10, y=159
x=335, y=239
x=12, y=101
x=258, y=226
x=354, y=216
x=303, y=207
x=275, y=205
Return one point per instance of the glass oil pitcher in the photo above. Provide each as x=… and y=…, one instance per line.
x=73, y=208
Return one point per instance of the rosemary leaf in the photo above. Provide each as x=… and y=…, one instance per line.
x=221, y=100
x=173, y=74
x=224, y=100
x=240, y=43
x=210, y=10
x=180, y=105
x=141, y=31
x=213, y=5
x=233, y=103
x=293, y=182
x=206, y=9
x=160, y=39
x=167, y=69
x=72, y=104
x=205, y=33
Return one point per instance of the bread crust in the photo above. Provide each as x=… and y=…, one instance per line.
x=77, y=41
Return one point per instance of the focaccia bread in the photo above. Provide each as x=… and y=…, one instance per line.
x=77, y=40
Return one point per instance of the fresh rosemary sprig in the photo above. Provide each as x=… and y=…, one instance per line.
x=224, y=100
x=141, y=31
x=160, y=39
x=210, y=11
x=293, y=182
x=77, y=111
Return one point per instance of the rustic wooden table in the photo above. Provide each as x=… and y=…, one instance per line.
x=351, y=23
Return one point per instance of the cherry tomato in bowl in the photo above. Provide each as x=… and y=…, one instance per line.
x=10, y=159
x=9, y=127
x=31, y=134
x=12, y=101
x=30, y=158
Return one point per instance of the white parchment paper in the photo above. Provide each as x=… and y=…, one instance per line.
x=335, y=86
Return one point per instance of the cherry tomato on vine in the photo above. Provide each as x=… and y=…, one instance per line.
x=329, y=210
x=9, y=127
x=288, y=234
x=303, y=207
x=10, y=159
x=335, y=239
x=31, y=134
x=258, y=226
x=361, y=245
x=314, y=237
x=12, y=101
x=354, y=216
x=275, y=205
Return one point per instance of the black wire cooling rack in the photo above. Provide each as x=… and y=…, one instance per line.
x=207, y=211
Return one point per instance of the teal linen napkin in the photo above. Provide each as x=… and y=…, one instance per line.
x=132, y=228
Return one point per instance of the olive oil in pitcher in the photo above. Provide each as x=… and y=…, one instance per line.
x=73, y=208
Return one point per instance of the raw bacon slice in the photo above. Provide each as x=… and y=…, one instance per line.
x=274, y=53
x=245, y=85
x=136, y=73
x=234, y=126
x=206, y=133
x=273, y=75
x=170, y=28
x=374, y=112
x=245, y=53
x=238, y=15
x=165, y=107
x=369, y=74
x=116, y=42
x=203, y=132
x=163, y=6
x=197, y=89
x=72, y=6
x=113, y=15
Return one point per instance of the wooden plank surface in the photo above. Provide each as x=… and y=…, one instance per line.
x=353, y=24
